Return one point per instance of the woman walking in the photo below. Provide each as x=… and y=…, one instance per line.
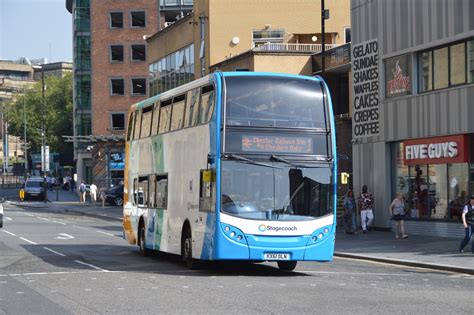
x=397, y=210
x=350, y=212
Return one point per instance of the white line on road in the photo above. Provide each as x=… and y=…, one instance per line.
x=9, y=232
x=79, y=227
x=352, y=273
x=28, y=214
x=64, y=236
x=8, y=219
x=90, y=265
x=106, y=233
x=43, y=218
x=27, y=240
x=54, y=252
x=59, y=222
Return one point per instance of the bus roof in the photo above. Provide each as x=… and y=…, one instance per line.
x=210, y=78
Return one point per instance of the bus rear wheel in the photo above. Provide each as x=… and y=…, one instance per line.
x=142, y=240
x=187, y=250
x=287, y=265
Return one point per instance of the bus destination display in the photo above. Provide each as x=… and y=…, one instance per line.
x=277, y=144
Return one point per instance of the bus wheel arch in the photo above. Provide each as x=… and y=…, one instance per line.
x=187, y=246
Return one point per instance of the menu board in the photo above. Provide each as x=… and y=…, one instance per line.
x=277, y=144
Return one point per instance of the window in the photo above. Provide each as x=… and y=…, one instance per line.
x=207, y=103
x=155, y=122
x=138, y=120
x=192, y=108
x=118, y=121
x=178, y=112
x=117, y=87
x=446, y=66
x=261, y=37
x=347, y=34
x=146, y=121
x=138, y=53
x=165, y=116
x=130, y=126
x=116, y=19
x=152, y=191
x=141, y=193
x=139, y=86
x=162, y=191
x=116, y=53
x=138, y=18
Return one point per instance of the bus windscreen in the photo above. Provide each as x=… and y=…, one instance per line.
x=270, y=101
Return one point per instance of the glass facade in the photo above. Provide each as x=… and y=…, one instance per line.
x=446, y=66
x=434, y=191
x=172, y=71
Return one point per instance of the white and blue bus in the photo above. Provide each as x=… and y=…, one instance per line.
x=234, y=166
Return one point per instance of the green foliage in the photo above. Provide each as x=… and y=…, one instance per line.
x=58, y=114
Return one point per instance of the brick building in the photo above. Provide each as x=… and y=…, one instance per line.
x=110, y=73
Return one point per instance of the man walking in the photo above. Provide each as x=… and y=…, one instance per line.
x=468, y=223
x=366, y=201
x=82, y=192
x=93, y=190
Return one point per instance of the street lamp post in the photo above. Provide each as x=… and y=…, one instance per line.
x=43, y=148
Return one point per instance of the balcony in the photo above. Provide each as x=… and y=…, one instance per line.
x=293, y=47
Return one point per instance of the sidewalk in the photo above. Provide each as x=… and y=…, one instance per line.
x=418, y=251
x=66, y=201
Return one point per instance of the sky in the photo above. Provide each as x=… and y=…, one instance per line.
x=35, y=29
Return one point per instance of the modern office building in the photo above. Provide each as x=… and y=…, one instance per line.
x=110, y=74
x=413, y=108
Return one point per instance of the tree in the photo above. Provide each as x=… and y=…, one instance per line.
x=58, y=115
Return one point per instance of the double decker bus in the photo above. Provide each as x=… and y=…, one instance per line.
x=233, y=166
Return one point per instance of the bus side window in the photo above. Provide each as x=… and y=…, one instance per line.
x=142, y=192
x=165, y=116
x=207, y=103
x=130, y=126
x=162, y=191
x=135, y=191
x=194, y=110
x=155, y=120
x=178, y=112
x=207, y=191
x=136, y=130
x=146, y=121
x=151, y=191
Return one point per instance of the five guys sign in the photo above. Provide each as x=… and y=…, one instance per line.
x=365, y=79
x=440, y=150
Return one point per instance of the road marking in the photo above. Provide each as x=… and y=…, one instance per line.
x=58, y=222
x=54, y=252
x=54, y=273
x=3, y=281
x=353, y=273
x=90, y=265
x=248, y=285
x=102, y=232
x=19, y=292
x=185, y=287
x=120, y=289
x=27, y=240
x=8, y=218
x=28, y=214
x=9, y=232
x=79, y=227
x=64, y=236
x=88, y=290
x=43, y=218
x=53, y=291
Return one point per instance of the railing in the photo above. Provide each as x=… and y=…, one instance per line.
x=291, y=47
x=10, y=181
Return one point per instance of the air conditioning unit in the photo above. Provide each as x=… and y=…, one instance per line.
x=168, y=24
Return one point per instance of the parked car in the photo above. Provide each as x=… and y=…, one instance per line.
x=34, y=188
x=114, y=195
x=1, y=212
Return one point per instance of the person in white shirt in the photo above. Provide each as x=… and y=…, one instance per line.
x=93, y=190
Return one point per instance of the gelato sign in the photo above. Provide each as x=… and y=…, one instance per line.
x=365, y=79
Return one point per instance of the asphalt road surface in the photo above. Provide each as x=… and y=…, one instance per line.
x=52, y=263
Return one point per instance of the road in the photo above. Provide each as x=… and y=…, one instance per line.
x=57, y=263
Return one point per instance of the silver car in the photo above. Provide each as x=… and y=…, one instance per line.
x=34, y=188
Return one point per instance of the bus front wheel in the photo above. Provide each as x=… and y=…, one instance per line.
x=287, y=265
x=187, y=250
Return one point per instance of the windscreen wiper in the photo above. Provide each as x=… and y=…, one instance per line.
x=280, y=159
x=243, y=159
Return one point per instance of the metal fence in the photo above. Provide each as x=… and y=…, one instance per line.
x=10, y=181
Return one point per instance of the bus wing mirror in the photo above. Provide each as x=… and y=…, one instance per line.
x=210, y=159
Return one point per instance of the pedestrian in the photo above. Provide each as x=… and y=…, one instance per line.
x=103, y=196
x=82, y=192
x=72, y=185
x=468, y=223
x=350, y=209
x=366, y=201
x=93, y=191
x=397, y=211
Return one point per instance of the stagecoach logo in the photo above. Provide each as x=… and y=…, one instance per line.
x=263, y=228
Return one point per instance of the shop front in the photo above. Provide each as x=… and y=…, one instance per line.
x=436, y=176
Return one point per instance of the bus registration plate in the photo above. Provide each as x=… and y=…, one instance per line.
x=276, y=256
